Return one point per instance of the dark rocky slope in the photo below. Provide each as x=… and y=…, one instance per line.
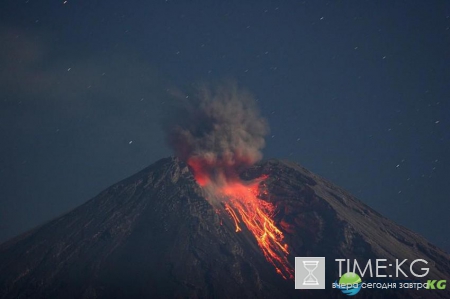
x=154, y=235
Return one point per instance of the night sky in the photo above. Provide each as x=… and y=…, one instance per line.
x=356, y=91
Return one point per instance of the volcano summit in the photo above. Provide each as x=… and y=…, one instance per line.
x=212, y=223
x=157, y=235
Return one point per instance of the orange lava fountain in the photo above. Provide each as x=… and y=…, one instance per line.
x=241, y=202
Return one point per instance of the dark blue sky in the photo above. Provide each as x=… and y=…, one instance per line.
x=356, y=91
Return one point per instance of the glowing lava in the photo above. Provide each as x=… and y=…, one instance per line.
x=219, y=132
x=241, y=202
x=244, y=206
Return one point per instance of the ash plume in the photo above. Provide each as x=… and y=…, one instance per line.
x=217, y=131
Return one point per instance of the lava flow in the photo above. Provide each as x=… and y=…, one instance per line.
x=218, y=132
x=244, y=206
x=241, y=202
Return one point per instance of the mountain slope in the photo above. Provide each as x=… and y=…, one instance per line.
x=154, y=235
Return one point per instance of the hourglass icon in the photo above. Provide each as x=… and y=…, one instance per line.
x=310, y=279
x=309, y=272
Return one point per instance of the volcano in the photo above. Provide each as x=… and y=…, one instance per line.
x=156, y=235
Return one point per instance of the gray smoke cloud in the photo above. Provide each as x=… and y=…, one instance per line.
x=217, y=131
